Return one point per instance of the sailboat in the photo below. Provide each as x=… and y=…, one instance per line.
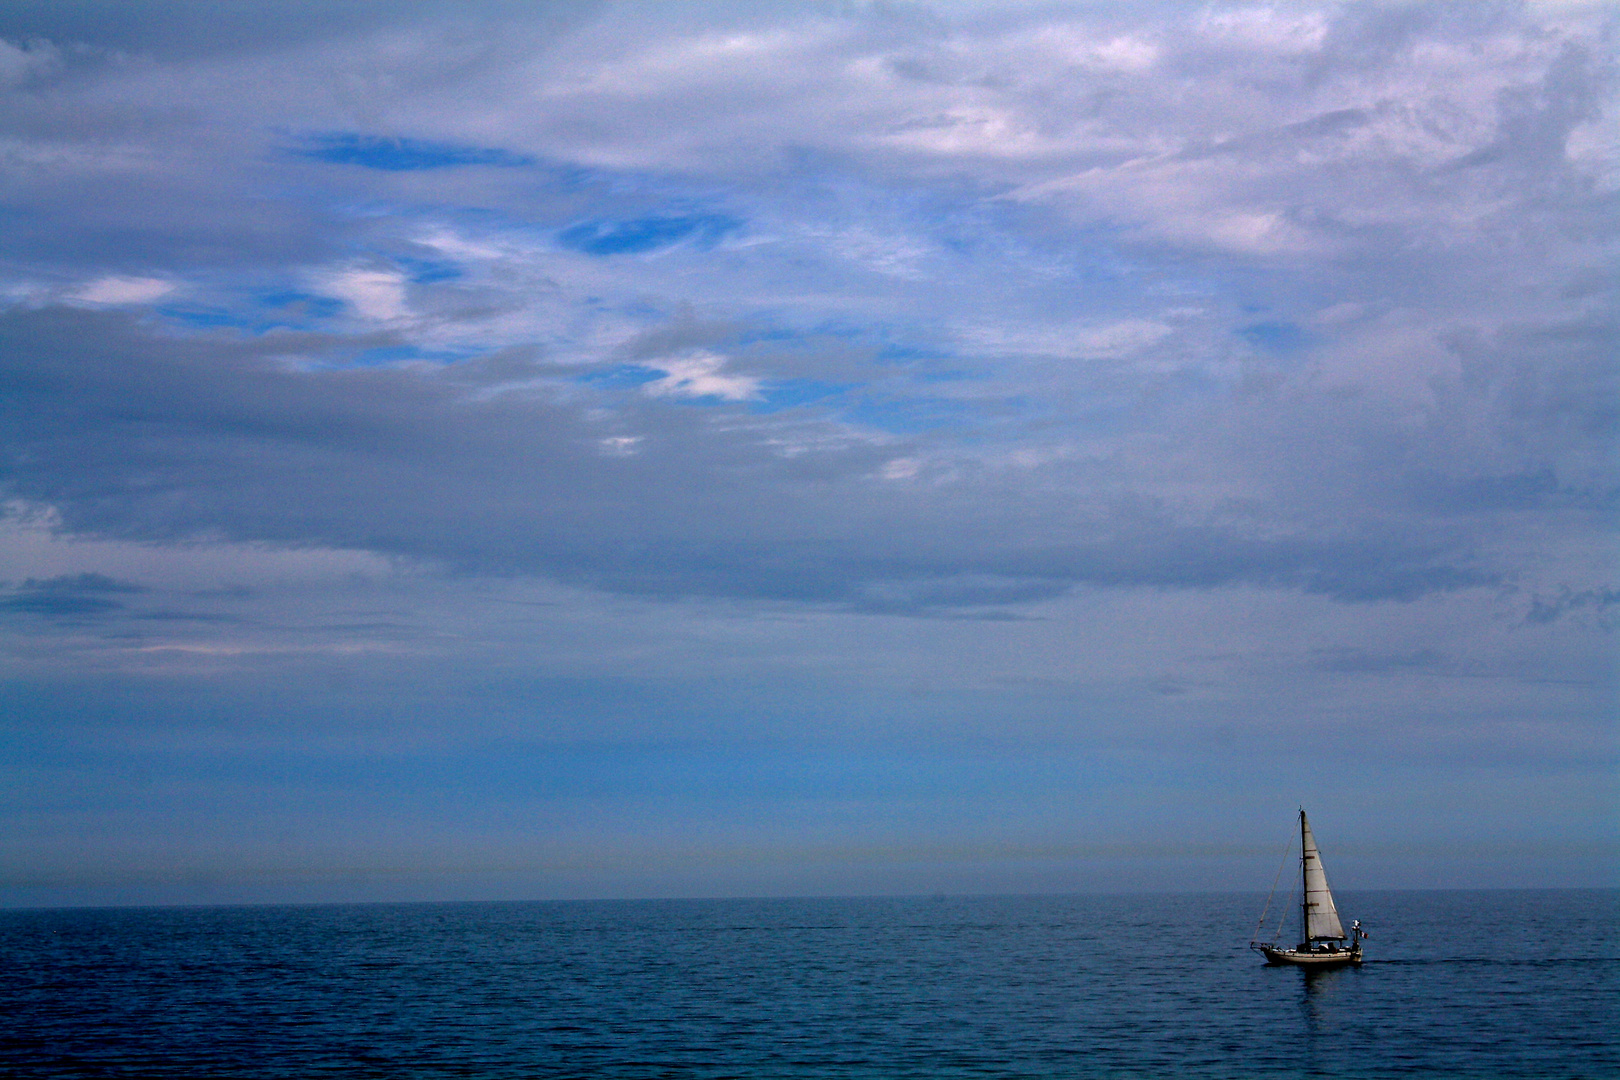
x=1321, y=932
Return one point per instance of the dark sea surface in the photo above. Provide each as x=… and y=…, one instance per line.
x=1475, y=984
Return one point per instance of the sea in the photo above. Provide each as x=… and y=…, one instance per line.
x=1456, y=984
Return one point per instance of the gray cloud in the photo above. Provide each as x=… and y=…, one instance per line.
x=1162, y=381
x=1352, y=661
x=1566, y=600
x=73, y=596
x=1331, y=487
x=137, y=437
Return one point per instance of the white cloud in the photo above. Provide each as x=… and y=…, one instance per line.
x=972, y=129
x=1085, y=47
x=894, y=254
x=461, y=248
x=705, y=59
x=123, y=290
x=901, y=468
x=699, y=374
x=1270, y=27
x=620, y=445
x=1098, y=340
x=378, y=295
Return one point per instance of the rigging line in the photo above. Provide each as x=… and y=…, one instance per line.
x=1260, y=926
x=1283, y=916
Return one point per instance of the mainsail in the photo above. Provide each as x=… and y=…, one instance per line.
x=1321, y=917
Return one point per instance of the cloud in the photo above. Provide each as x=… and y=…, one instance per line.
x=123, y=290
x=21, y=63
x=1566, y=600
x=1108, y=340
x=374, y=294
x=72, y=596
x=1355, y=661
x=878, y=309
x=697, y=375
x=396, y=460
x=1148, y=379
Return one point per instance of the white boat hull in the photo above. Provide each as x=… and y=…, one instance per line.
x=1340, y=958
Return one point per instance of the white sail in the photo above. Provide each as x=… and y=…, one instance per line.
x=1321, y=917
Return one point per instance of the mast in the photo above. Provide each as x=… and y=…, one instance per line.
x=1304, y=885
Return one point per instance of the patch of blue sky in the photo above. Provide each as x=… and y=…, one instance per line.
x=839, y=328
x=772, y=334
x=710, y=773
x=797, y=393
x=427, y=271
x=900, y=354
x=1275, y=337
x=393, y=154
x=258, y=314
x=621, y=377
x=384, y=355
x=205, y=318
x=299, y=307
x=632, y=236
x=945, y=375
x=910, y=416
x=928, y=363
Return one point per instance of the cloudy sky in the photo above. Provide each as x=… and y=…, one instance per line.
x=482, y=450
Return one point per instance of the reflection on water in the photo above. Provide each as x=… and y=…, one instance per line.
x=1319, y=1036
x=1321, y=1019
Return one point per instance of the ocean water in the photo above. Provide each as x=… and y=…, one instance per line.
x=1477, y=984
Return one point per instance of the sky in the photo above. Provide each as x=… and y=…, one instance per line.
x=507, y=450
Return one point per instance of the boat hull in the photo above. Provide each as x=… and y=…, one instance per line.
x=1343, y=958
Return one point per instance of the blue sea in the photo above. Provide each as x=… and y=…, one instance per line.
x=1473, y=984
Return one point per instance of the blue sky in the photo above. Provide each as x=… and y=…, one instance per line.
x=500, y=450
